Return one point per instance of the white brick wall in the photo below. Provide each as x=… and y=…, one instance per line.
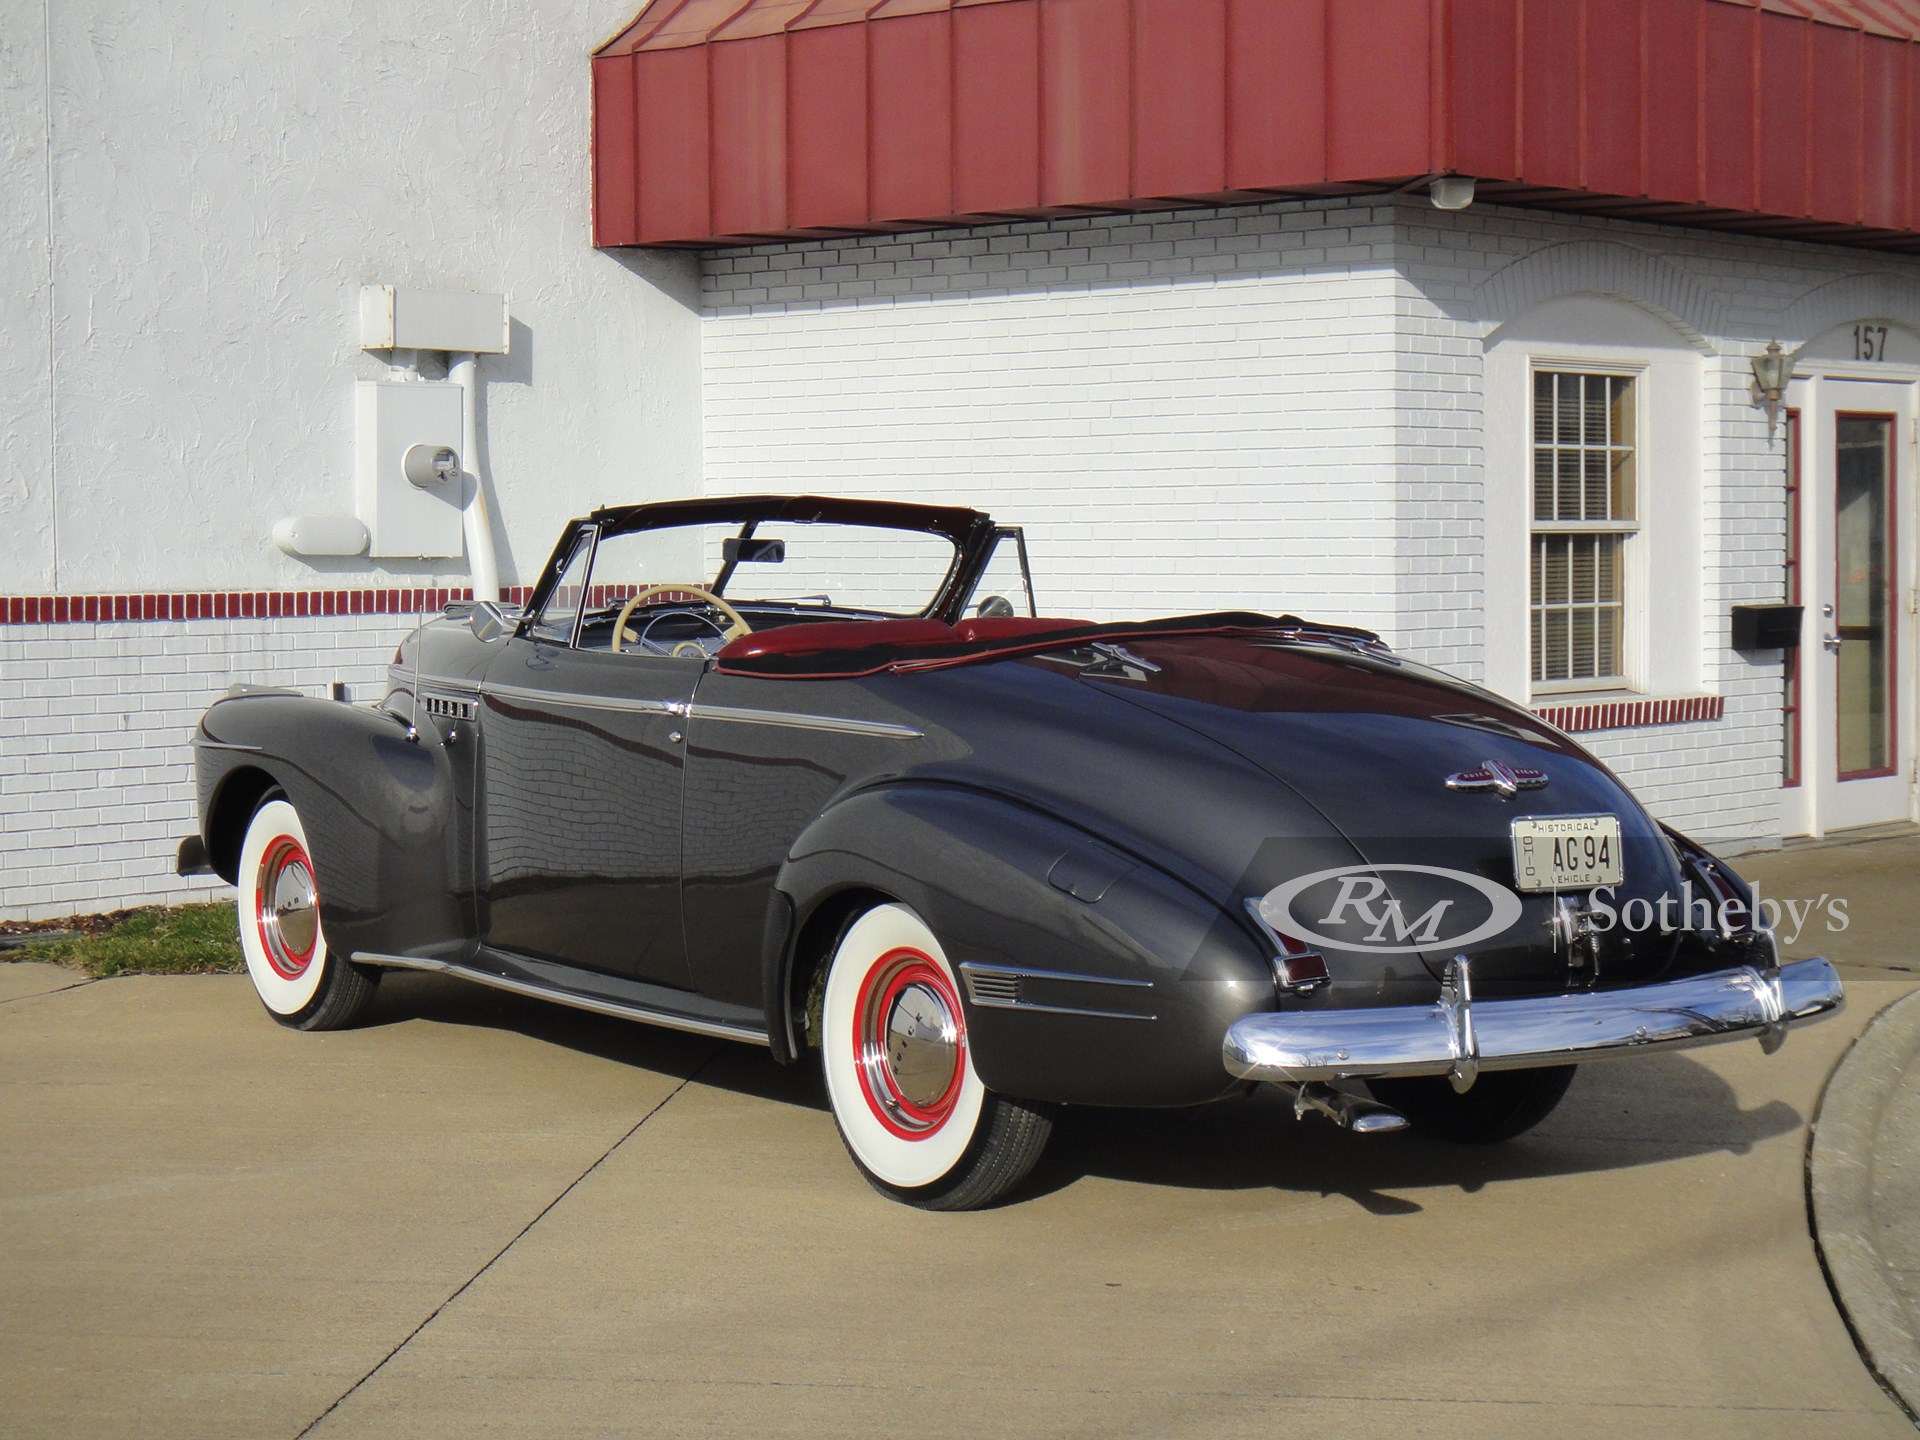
x=96, y=720
x=1276, y=407
x=1136, y=389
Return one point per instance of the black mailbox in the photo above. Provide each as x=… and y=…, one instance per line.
x=1766, y=627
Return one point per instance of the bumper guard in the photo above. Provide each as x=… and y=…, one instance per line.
x=1459, y=1038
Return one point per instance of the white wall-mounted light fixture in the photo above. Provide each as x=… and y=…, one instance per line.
x=321, y=535
x=1450, y=192
x=1771, y=372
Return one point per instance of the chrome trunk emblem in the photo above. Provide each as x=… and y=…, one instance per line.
x=1497, y=775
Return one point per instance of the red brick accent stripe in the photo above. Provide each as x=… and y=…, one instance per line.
x=232, y=604
x=1632, y=714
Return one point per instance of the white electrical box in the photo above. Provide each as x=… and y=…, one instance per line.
x=454, y=320
x=405, y=518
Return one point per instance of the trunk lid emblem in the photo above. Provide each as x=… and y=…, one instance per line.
x=1499, y=776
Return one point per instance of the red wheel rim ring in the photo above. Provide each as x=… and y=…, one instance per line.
x=283, y=853
x=880, y=989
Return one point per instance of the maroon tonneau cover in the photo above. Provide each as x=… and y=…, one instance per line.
x=843, y=649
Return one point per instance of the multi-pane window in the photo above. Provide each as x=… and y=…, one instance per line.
x=1584, y=474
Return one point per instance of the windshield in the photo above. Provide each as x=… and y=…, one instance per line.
x=862, y=569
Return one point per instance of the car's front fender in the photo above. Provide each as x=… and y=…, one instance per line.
x=1088, y=976
x=379, y=812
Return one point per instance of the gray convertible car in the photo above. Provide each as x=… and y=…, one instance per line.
x=813, y=775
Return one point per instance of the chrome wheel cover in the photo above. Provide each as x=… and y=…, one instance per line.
x=909, y=1044
x=288, y=912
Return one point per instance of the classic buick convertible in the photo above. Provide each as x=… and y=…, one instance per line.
x=798, y=772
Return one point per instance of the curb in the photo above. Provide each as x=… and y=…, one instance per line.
x=1860, y=1156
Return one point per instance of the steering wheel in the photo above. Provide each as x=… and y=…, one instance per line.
x=731, y=632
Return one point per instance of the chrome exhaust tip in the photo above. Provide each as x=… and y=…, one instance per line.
x=1349, y=1112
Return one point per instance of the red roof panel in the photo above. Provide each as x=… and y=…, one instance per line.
x=665, y=24
x=1898, y=19
x=834, y=12
x=763, y=17
x=782, y=118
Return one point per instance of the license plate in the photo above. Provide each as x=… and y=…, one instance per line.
x=1566, y=852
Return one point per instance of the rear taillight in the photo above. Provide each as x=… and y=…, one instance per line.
x=1297, y=967
x=1733, y=911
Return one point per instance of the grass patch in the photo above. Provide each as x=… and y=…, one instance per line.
x=162, y=940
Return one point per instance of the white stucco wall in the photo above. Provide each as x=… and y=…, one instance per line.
x=225, y=177
x=191, y=196
x=25, y=413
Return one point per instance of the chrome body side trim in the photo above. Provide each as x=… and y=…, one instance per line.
x=585, y=702
x=204, y=743
x=1460, y=1038
x=971, y=967
x=429, y=685
x=836, y=724
x=1029, y=1008
x=998, y=987
x=792, y=721
x=598, y=1006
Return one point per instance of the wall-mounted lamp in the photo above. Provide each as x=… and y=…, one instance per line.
x=1771, y=372
x=1451, y=192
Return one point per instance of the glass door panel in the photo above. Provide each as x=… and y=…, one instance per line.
x=1863, y=594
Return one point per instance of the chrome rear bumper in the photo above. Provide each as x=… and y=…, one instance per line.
x=1460, y=1037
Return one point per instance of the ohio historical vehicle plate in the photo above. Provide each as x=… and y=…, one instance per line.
x=1566, y=852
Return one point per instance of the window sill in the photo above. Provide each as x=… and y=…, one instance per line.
x=1580, y=715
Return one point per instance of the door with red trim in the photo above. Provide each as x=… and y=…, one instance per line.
x=1855, y=560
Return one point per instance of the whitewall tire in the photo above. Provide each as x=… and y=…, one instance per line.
x=299, y=981
x=900, y=1076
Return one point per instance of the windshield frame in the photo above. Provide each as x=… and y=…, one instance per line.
x=972, y=534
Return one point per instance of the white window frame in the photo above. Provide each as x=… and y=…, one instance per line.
x=1632, y=581
x=1662, y=570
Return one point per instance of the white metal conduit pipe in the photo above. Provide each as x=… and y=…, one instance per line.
x=476, y=523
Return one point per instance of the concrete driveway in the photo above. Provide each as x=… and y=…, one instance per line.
x=478, y=1215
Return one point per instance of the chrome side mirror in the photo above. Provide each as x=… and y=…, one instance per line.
x=488, y=621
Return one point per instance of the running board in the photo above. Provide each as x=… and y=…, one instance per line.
x=599, y=1005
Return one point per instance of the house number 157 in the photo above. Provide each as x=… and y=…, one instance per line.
x=1869, y=342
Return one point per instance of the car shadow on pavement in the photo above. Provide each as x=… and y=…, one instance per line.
x=1656, y=1109
x=1651, y=1110
x=407, y=996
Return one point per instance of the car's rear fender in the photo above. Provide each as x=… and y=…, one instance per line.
x=1088, y=976
x=378, y=809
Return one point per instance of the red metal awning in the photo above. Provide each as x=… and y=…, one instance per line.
x=1897, y=18
x=725, y=122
